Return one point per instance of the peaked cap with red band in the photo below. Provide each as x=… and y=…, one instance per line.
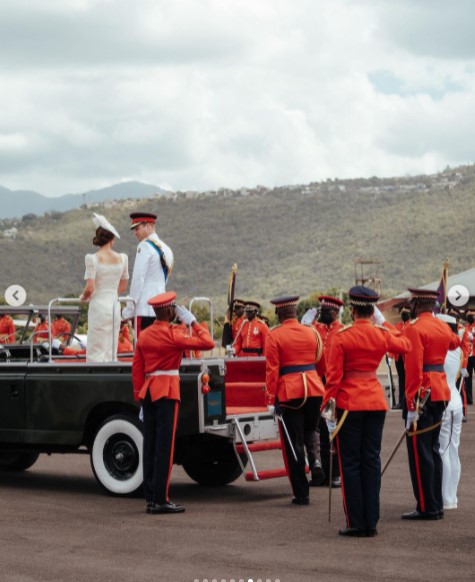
x=163, y=299
x=141, y=217
x=332, y=302
x=425, y=294
x=289, y=300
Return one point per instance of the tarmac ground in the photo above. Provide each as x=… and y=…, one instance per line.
x=56, y=524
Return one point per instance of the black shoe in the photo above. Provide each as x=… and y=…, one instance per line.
x=396, y=407
x=441, y=514
x=301, y=500
x=421, y=515
x=318, y=476
x=371, y=532
x=353, y=532
x=336, y=483
x=167, y=507
x=149, y=507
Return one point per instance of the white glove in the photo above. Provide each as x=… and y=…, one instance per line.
x=185, y=316
x=271, y=408
x=309, y=316
x=331, y=425
x=128, y=312
x=464, y=372
x=412, y=417
x=56, y=344
x=378, y=317
x=141, y=414
x=390, y=361
x=82, y=345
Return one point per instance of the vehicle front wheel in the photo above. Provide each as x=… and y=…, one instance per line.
x=17, y=461
x=116, y=455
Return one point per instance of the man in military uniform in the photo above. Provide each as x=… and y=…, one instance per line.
x=294, y=387
x=60, y=328
x=156, y=380
x=431, y=339
x=238, y=317
x=470, y=317
x=7, y=329
x=354, y=356
x=405, y=315
x=251, y=338
x=152, y=267
x=41, y=331
x=327, y=324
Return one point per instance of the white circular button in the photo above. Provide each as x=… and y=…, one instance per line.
x=15, y=295
x=458, y=295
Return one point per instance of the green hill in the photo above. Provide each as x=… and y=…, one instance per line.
x=286, y=240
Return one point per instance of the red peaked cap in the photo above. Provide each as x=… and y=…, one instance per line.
x=333, y=302
x=424, y=294
x=141, y=217
x=163, y=299
x=285, y=301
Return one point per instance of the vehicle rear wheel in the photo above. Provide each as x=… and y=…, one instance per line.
x=116, y=455
x=217, y=465
x=17, y=461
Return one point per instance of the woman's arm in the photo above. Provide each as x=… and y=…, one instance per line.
x=88, y=290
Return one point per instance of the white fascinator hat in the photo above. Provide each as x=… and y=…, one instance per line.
x=101, y=221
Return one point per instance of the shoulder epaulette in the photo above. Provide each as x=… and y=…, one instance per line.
x=347, y=326
x=381, y=326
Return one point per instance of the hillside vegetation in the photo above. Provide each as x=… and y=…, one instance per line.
x=287, y=240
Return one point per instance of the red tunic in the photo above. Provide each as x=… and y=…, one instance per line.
x=400, y=326
x=237, y=324
x=7, y=330
x=431, y=338
x=466, y=344
x=60, y=327
x=186, y=330
x=41, y=332
x=328, y=331
x=353, y=359
x=293, y=344
x=160, y=347
x=251, y=337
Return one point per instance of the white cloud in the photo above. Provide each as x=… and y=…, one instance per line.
x=203, y=94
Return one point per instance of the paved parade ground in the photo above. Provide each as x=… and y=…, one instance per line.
x=57, y=525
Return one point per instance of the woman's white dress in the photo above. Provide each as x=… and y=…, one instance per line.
x=103, y=323
x=450, y=432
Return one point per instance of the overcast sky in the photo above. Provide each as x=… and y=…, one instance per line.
x=199, y=94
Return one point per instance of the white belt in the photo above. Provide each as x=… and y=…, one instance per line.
x=163, y=373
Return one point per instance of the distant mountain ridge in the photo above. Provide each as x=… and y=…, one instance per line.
x=17, y=203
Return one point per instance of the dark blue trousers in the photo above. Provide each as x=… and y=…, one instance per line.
x=359, y=447
x=159, y=420
x=425, y=463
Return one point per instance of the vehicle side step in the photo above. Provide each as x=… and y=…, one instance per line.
x=269, y=474
x=259, y=446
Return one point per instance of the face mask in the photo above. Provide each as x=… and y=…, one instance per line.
x=405, y=316
x=325, y=317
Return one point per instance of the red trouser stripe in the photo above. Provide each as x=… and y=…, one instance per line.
x=341, y=478
x=418, y=474
x=172, y=450
x=284, y=454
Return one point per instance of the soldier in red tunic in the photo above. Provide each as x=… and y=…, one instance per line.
x=431, y=339
x=251, y=338
x=155, y=375
x=354, y=357
x=7, y=329
x=294, y=387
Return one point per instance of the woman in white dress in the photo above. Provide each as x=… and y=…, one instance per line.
x=106, y=276
x=451, y=428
